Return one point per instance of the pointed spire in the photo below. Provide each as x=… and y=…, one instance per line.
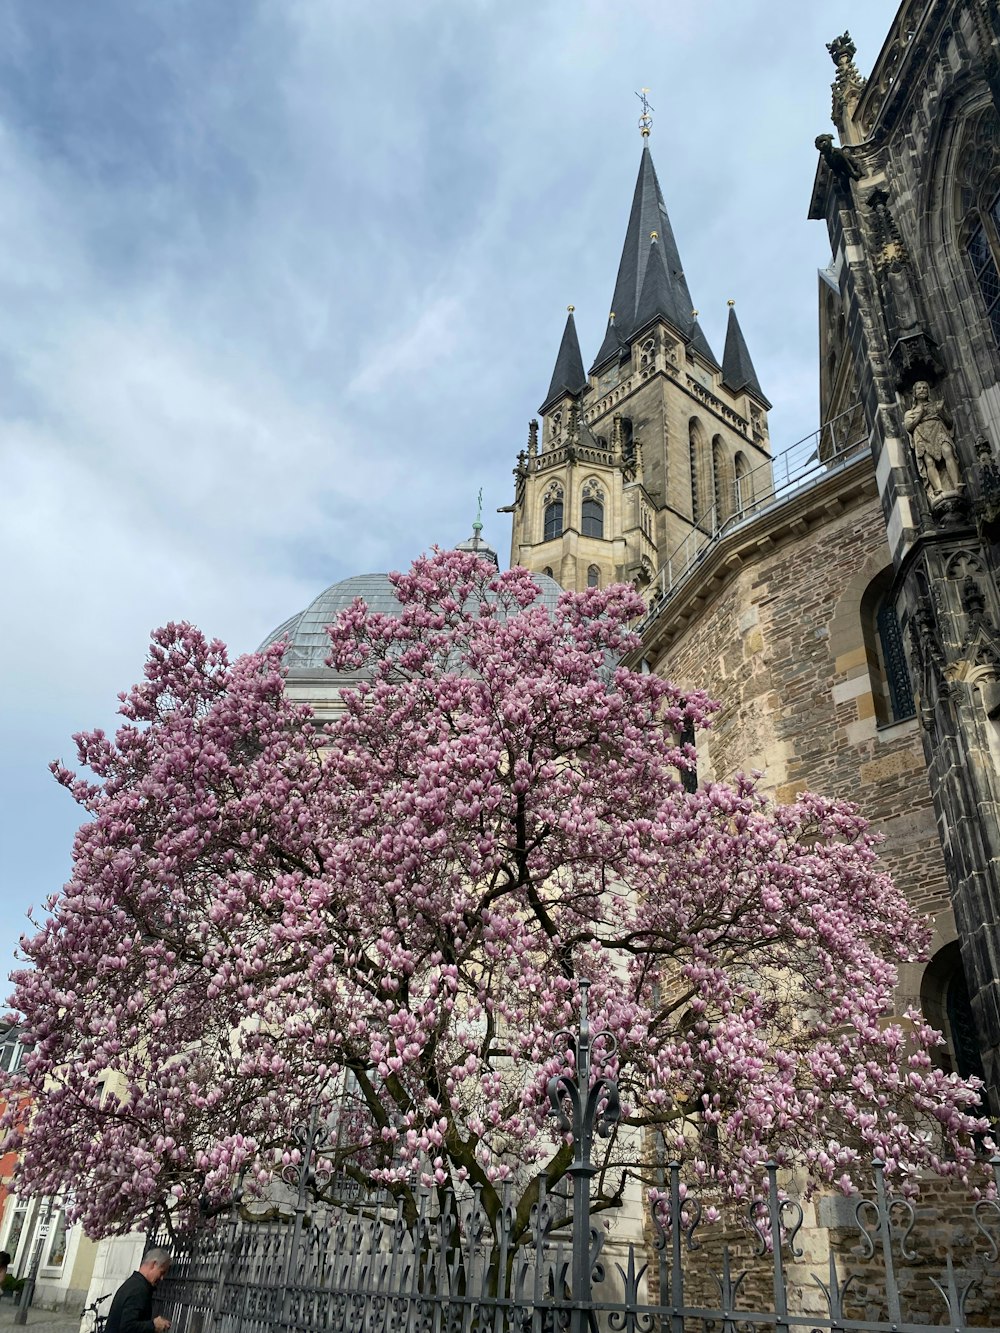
x=611, y=348
x=657, y=298
x=699, y=343
x=649, y=214
x=569, y=375
x=738, y=373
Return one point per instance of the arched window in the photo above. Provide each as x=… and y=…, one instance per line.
x=553, y=520
x=975, y=204
x=592, y=509
x=592, y=518
x=742, y=484
x=983, y=247
x=887, y=669
x=593, y=577
x=897, y=674
x=548, y=570
x=723, y=481
x=701, y=482
x=944, y=999
x=628, y=440
x=689, y=776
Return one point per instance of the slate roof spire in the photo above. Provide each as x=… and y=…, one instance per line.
x=667, y=287
x=657, y=298
x=613, y=346
x=737, y=368
x=569, y=375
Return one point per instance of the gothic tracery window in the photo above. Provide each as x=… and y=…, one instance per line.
x=592, y=519
x=552, y=512
x=592, y=510
x=977, y=209
x=983, y=249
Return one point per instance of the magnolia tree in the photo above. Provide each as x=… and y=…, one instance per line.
x=390, y=915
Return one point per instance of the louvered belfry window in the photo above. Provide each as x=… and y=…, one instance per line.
x=897, y=673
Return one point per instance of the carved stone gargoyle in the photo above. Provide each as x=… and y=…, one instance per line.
x=843, y=168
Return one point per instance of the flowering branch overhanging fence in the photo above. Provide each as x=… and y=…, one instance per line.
x=425, y=1261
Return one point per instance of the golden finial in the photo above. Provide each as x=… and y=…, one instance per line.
x=571, y=308
x=654, y=235
x=730, y=302
x=645, y=120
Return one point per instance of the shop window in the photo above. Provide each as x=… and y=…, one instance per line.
x=15, y=1234
x=57, y=1241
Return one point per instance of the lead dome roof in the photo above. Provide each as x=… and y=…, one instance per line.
x=308, y=645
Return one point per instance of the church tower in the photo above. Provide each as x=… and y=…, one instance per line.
x=658, y=447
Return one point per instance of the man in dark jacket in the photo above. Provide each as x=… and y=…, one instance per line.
x=132, y=1308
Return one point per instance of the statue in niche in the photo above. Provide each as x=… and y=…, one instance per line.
x=929, y=424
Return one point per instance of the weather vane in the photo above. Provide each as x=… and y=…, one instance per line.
x=478, y=525
x=645, y=120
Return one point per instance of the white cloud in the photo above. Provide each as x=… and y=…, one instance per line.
x=282, y=285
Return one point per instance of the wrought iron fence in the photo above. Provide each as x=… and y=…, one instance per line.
x=424, y=1261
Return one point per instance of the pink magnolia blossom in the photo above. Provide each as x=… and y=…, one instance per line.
x=389, y=915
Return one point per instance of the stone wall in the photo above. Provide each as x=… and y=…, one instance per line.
x=783, y=647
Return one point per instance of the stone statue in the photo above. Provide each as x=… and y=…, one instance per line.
x=929, y=424
x=843, y=168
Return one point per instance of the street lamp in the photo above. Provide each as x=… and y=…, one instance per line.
x=28, y=1290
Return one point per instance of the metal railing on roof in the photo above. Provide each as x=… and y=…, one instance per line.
x=755, y=492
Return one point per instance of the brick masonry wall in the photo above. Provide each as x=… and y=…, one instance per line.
x=782, y=648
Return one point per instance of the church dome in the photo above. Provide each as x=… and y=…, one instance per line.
x=308, y=644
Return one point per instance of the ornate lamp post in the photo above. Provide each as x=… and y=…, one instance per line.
x=596, y=1107
x=28, y=1290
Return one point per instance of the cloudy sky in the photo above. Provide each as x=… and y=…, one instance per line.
x=282, y=282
